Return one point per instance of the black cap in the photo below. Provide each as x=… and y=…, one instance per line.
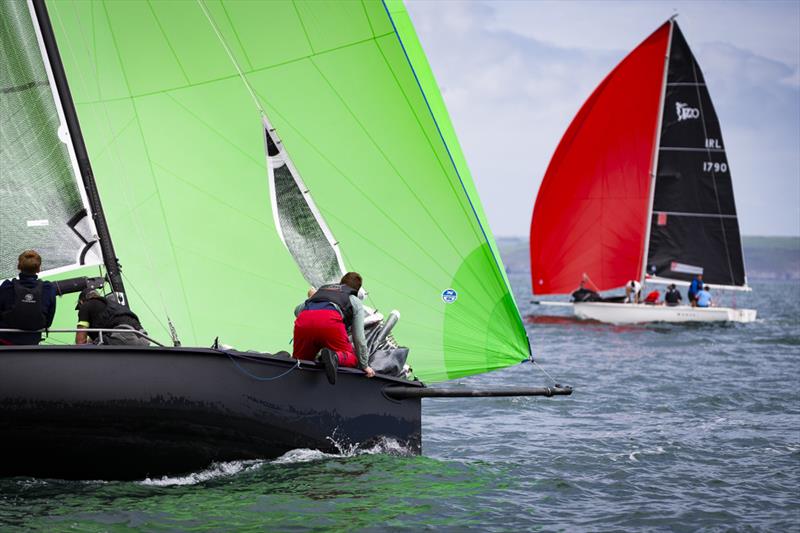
x=84, y=295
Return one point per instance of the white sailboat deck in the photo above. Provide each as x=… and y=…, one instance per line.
x=621, y=313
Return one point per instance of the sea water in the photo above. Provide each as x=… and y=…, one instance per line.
x=671, y=427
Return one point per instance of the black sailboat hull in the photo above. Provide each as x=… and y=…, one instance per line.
x=117, y=412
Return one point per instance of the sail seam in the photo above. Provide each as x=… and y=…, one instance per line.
x=392, y=164
x=166, y=39
x=104, y=117
x=369, y=22
x=687, y=149
x=231, y=76
x=713, y=174
x=686, y=214
x=236, y=34
x=449, y=153
x=365, y=197
x=150, y=165
x=439, y=161
x=24, y=87
x=303, y=26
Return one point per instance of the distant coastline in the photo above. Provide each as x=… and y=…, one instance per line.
x=766, y=258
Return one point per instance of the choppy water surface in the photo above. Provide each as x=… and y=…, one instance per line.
x=671, y=427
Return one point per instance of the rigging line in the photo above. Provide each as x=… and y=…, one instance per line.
x=202, y=5
x=144, y=301
x=546, y=373
x=452, y=160
x=105, y=117
x=251, y=375
x=713, y=174
x=247, y=83
x=359, y=190
x=295, y=175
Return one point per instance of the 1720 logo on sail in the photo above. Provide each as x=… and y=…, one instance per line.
x=685, y=112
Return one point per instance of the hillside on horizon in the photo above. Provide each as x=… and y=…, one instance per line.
x=766, y=258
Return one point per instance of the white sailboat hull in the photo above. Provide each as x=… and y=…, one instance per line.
x=617, y=313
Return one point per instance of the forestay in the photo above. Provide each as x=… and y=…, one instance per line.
x=177, y=142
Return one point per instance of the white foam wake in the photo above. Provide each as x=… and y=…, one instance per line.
x=383, y=446
x=215, y=471
x=300, y=455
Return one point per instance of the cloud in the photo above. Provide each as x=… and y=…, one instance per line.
x=514, y=74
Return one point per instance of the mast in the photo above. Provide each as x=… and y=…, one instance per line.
x=656, y=151
x=76, y=136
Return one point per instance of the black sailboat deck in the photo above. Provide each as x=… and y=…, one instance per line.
x=123, y=412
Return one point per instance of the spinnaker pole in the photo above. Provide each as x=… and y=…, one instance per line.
x=656, y=151
x=402, y=392
x=113, y=272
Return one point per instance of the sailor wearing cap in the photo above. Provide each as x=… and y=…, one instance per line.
x=98, y=312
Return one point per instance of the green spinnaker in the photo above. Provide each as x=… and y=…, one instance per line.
x=177, y=146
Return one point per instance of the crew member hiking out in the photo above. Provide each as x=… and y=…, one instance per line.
x=322, y=323
x=26, y=302
x=98, y=312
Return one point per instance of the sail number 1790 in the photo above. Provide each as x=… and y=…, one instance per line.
x=713, y=166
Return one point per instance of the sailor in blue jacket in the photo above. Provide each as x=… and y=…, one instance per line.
x=694, y=288
x=26, y=302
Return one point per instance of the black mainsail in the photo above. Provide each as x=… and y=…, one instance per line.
x=694, y=227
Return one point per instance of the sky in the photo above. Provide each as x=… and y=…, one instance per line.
x=514, y=74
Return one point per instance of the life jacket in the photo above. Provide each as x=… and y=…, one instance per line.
x=585, y=295
x=27, y=311
x=338, y=294
x=672, y=296
x=116, y=315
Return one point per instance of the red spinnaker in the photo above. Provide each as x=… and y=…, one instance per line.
x=591, y=211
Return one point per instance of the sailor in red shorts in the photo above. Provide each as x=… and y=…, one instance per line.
x=322, y=323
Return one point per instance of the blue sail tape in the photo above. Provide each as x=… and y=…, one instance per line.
x=441, y=136
x=450, y=155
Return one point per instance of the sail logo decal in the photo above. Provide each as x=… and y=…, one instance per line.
x=683, y=268
x=685, y=112
x=449, y=296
